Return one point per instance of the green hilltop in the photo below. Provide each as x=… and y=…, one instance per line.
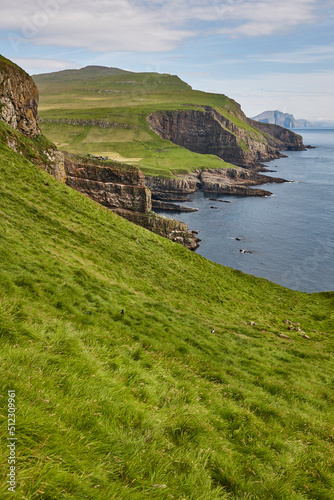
x=74, y=105
x=152, y=403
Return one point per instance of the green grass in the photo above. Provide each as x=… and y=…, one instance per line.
x=116, y=406
x=136, y=146
x=106, y=97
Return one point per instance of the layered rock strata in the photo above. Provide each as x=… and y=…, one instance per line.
x=206, y=131
x=219, y=181
x=173, y=207
x=111, y=185
x=122, y=189
x=18, y=99
x=168, y=228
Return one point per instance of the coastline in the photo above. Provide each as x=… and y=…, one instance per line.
x=289, y=232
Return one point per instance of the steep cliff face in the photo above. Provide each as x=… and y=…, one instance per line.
x=283, y=138
x=18, y=99
x=179, y=186
x=237, y=181
x=112, y=185
x=122, y=189
x=168, y=228
x=119, y=187
x=208, y=132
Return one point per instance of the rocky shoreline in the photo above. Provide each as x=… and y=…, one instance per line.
x=234, y=181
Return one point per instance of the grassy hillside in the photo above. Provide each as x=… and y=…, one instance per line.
x=72, y=101
x=151, y=404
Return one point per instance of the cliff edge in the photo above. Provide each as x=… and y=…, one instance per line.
x=18, y=99
x=119, y=187
x=207, y=131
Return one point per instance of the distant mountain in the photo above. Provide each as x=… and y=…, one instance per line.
x=285, y=120
x=323, y=124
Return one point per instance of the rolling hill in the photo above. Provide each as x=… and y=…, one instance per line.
x=155, y=121
x=142, y=370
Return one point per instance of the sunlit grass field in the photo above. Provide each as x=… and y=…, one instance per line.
x=71, y=102
x=152, y=403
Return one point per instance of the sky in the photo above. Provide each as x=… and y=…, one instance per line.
x=265, y=54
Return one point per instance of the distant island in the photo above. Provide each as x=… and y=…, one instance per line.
x=287, y=120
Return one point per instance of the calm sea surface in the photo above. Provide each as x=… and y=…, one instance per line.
x=290, y=234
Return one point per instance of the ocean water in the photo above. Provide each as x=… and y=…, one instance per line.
x=290, y=235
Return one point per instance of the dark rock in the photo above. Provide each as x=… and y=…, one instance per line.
x=168, y=228
x=220, y=201
x=18, y=99
x=162, y=205
x=219, y=181
x=206, y=131
x=170, y=197
x=111, y=184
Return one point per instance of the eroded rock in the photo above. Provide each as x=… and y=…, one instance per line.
x=18, y=99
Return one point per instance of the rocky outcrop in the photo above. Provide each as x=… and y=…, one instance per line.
x=56, y=164
x=168, y=228
x=117, y=186
x=173, y=189
x=122, y=189
x=172, y=207
x=18, y=99
x=113, y=185
x=206, y=131
x=235, y=181
x=279, y=136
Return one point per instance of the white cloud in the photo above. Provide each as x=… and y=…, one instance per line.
x=265, y=17
x=103, y=25
x=308, y=55
x=37, y=65
x=144, y=26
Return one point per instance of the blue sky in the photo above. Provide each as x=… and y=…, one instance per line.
x=265, y=54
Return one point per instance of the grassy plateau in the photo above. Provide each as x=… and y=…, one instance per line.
x=74, y=104
x=152, y=403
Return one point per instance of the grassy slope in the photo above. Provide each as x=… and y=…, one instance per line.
x=115, y=406
x=86, y=95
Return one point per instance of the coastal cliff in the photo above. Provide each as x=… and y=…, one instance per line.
x=237, y=181
x=171, y=229
x=18, y=99
x=278, y=136
x=19, y=110
x=122, y=189
x=119, y=187
x=206, y=131
x=224, y=132
x=112, y=185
